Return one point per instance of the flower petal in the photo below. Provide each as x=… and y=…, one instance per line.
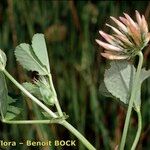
x=147, y=37
x=107, y=37
x=130, y=20
x=114, y=57
x=108, y=46
x=144, y=26
x=120, y=24
x=124, y=39
x=114, y=29
x=138, y=18
x=135, y=34
x=124, y=20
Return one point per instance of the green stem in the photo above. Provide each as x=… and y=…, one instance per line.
x=38, y=102
x=55, y=95
x=135, y=87
x=27, y=121
x=138, y=131
x=86, y=143
x=66, y=124
x=52, y=114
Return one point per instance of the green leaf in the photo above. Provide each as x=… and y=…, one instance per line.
x=144, y=74
x=33, y=89
x=40, y=50
x=12, y=110
x=41, y=90
x=3, y=60
x=26, y=57
x=10, y=116
x=118, y=79
x=8, y=111
x=103, y=90
x=47, y=95
x=3, y=95
x=10, y=100
x=45, y=90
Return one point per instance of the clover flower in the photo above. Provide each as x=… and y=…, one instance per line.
x=130, y=37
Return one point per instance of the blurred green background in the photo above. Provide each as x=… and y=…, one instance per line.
x=70, y=28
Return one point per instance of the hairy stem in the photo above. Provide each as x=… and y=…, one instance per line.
x=135, y=87
x=138, y=131
x=27, y=121
x=86, y=143
x=56, y=100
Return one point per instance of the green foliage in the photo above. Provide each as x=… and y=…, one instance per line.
x=144, y=75
x=35, y=57
x=41, y=89
x=7, y=105
x=40, y=50
x=3, y=95
x=3, y=59
x=26, y=57
x=103, y=90
x=33, y=89
x=45, y=90
x=66, y=55
x=12, y=110
x=118, y=81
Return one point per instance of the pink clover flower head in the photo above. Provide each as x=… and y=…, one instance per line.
x=128, y=38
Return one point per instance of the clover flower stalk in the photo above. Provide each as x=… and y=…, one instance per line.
x=127, y=41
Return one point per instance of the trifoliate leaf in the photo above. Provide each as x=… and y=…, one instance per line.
x=40, y=50
x=26, y=57
x=118, y=79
